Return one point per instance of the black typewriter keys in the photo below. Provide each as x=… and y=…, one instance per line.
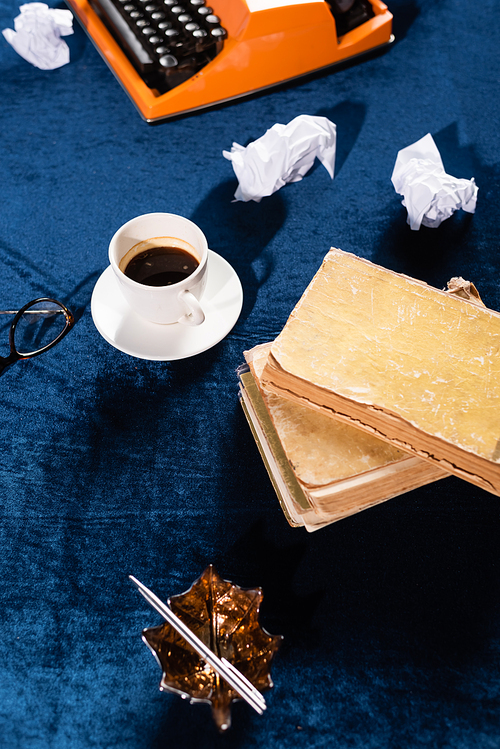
x=167, y=41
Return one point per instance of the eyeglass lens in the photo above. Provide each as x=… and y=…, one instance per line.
x=39, y=326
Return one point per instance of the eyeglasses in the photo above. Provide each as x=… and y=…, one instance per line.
x=36, y=327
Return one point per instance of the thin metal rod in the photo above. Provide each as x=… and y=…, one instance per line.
x=32, y=311
x=234, y=678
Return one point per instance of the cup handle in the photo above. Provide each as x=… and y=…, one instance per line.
x=195, y=316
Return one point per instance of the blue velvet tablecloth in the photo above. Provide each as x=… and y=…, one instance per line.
x=112, y=465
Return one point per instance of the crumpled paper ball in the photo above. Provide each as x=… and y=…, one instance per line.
x=430, y=195
x=37, y=35
x=285, y=153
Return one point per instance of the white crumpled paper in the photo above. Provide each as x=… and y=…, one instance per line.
x=283, y=154
x=37, y=35
x=430, y=195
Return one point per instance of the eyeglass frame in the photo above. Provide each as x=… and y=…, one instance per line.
x=15, y=355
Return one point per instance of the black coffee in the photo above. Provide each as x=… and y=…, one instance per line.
x=161, y=266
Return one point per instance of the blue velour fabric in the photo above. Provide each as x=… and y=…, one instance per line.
x=112, y=465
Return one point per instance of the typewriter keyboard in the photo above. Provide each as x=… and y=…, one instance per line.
x=165, y=41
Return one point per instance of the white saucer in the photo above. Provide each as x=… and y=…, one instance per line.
x=130, y=333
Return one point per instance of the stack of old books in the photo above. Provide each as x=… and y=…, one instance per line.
x=377, y=384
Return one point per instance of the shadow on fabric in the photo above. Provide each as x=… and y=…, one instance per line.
x=79, y=297
x=348, y=116
x=186, y=725
x=44, y=283
x=240, y=232
x=405, y=13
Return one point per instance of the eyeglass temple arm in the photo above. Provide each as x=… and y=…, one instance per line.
x=33, y=312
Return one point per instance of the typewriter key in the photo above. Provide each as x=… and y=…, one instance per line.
x=202, y=40
x=155, y=39
x=168, y=61
x=171, y=34
x=164, y=25
x=157, y=15
x=218, y=33
x=196, y=3
x=205, y=10
x=162, y=50
x=177, y=10
x=184, y=18
x=148, y=31
x=141, y=23
x=212, y=20
x=128, y=8
x=192, y=27
x=136, y=14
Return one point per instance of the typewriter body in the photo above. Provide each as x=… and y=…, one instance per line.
x=177, y=56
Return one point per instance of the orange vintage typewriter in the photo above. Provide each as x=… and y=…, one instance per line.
x=176, y=56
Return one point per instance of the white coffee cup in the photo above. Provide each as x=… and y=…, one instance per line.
x=178, y=302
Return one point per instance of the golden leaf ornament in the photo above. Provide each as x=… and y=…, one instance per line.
x=225, y=618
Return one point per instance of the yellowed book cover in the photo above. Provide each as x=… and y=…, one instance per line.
x=323, y=470
x=412, y=365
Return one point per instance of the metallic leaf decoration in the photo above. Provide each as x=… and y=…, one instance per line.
x=225, y=618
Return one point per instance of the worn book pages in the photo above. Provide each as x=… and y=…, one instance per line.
x=415, y=366
x=292, y=499
x=337, y=470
